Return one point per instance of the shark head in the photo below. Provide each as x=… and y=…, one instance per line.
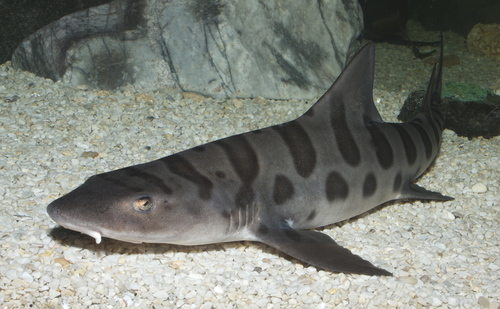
x=134, y=205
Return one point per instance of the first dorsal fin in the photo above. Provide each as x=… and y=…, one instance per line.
x=352, y=91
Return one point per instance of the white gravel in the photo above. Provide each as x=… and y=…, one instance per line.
x=52, y=137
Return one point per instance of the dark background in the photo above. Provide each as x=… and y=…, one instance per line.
x=20, y=18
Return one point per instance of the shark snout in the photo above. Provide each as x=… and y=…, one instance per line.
x=61, y=213
x=54, y=210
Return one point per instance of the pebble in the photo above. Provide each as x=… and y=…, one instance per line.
x=453, y=301
x=10, y=274
x=483, y=302
x=195, y=97
x=237, y=103
x=408, y=280
x=479, y=188
x=436, y=302
x=449, y=215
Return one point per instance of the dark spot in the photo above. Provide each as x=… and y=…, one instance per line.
x=198, y=149
x=244, y=197
x=369, y=185
x=434, y=128
x=343, y=135
x=242, y=156
x=283, y=189
x=336, y=187
x=397, y=182
x=417, y=124
x=438, y=117
x=408, y=143
x=245, y=163
x=183, y=168
x=257, y=131
x=300, y=147
x=118, y=180
x=383, y=148
x=147, y=179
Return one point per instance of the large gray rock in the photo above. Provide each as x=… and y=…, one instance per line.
x=221, y=48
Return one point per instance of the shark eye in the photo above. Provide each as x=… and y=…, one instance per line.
x=143, y=204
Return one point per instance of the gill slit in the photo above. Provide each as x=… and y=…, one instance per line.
x=243, y=218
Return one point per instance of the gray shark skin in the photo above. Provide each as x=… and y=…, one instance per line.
x=338, y=160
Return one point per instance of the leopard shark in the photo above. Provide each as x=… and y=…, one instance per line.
x=273, y=185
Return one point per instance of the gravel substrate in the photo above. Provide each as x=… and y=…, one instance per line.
x=52, y=137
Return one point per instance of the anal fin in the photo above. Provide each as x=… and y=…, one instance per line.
x=317, y=249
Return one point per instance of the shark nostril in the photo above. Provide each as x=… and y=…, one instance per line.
x=143, y=204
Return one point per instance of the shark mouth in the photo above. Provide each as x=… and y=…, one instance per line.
x=98, y=235
x=94, y=234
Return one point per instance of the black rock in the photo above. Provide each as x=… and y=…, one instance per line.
x=469, y=119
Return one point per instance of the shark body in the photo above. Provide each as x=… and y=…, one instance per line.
x=338, y=160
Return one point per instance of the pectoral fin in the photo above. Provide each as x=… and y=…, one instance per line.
x=317, y=249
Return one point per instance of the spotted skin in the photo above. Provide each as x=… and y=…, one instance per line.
x=272, y=185
x=282, y=190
